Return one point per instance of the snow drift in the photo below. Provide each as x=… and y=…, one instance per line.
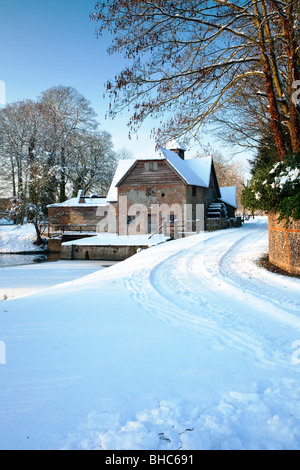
x=186, y=345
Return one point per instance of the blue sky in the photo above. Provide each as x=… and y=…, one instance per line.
x=46, y=43
x=52, y=42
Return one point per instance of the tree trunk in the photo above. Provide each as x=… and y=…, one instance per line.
x=62, y=184
x=276, y=125
x=295, y=128
x=39, y=241
x=294, y=76
x=13, y=177
x=266, y=46
x=287, y=14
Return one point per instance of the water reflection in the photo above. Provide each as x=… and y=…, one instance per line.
x=21, y=260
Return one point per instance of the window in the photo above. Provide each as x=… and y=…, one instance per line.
x=130, y=219
x=151, y=166
x=194, y=190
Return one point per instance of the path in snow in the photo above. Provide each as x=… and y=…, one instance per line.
x=216, y=284
x=186, y=345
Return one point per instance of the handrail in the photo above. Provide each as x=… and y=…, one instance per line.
x=158, y=229
x=59, y=228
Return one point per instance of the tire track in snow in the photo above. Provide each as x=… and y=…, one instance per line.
x=253, y=282
x=144, y=293
x=199, y=301
x=228, y=304
x=176, y=291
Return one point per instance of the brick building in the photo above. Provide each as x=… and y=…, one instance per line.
x=148, y=190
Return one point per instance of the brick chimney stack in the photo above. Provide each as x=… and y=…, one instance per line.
x=176, y=147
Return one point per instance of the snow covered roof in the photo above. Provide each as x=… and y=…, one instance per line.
x=195, y=172
x=122, y=168
x=152, y=154
x=228, y=195
x=173, y=144
x=88, y=202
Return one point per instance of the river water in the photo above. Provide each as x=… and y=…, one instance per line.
x=21, y=260
x=27, y=274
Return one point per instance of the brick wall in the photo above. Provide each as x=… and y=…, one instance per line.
x=284, y=245
x=152, y=195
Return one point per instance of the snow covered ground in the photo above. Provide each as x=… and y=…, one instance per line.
x=18, y=239
x=16, y=281
x=186, y=345
x=111, y=239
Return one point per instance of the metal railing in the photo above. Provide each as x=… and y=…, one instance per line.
x=162, y=226
x=53, y=229
x=177, y=229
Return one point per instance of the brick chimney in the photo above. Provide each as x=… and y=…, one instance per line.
x=80, y=197
x=176, y=147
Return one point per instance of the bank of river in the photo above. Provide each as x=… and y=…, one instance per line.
x=17, y=280
x=25, y=269
x=24, y=259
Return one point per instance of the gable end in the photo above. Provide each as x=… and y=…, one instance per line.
x=151, y=172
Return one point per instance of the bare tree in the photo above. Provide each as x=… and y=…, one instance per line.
x=66, y=114
x=93, y=163
x=20, y=125
x=229, y=173
x=197, y=59
x=124, y=154
x=49, y=146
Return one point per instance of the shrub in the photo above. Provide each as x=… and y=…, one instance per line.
x=276, y=189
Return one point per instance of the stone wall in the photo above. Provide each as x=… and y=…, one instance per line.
x=103, y=253
x=284, y=245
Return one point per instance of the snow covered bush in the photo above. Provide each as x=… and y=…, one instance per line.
x=276, y=189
